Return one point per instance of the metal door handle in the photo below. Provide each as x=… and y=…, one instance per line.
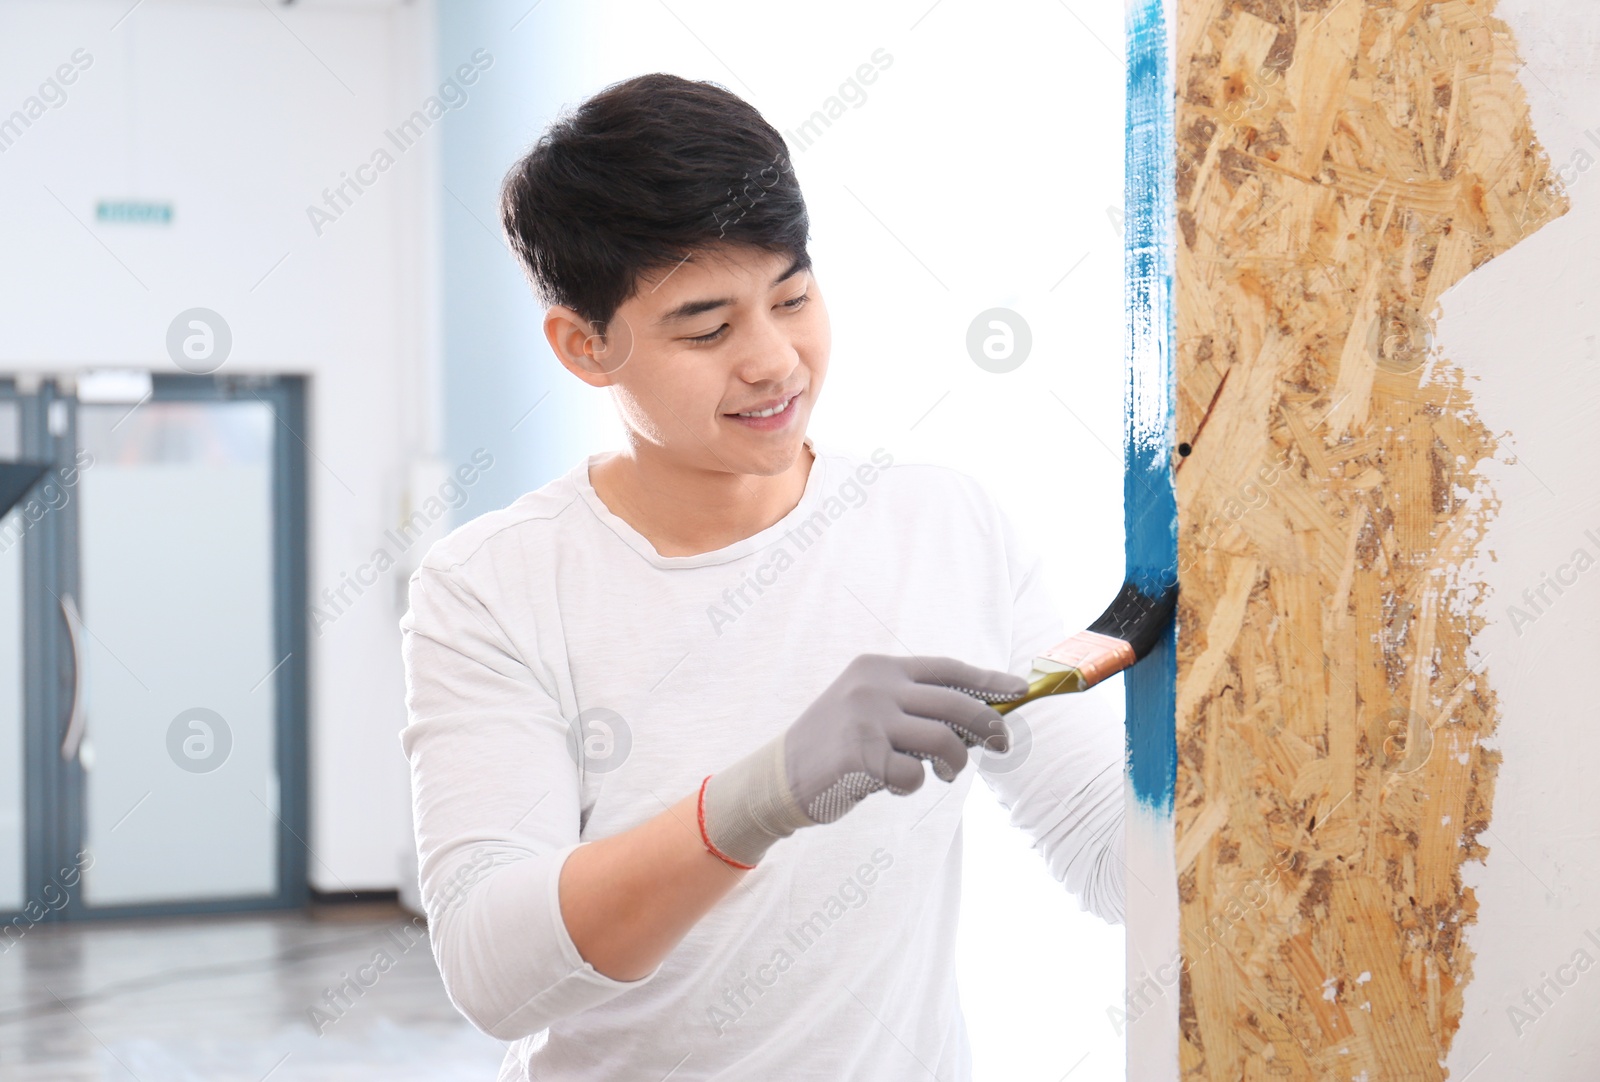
x=74, y=738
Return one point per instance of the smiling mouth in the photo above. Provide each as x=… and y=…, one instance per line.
x=772, y=411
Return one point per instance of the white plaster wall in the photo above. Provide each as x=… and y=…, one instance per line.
x=1154, y=960
x=1525, y=327
x=241, y=114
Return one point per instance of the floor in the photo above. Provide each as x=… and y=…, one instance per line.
x=225, y=998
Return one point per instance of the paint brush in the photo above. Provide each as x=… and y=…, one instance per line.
x=1124, y=633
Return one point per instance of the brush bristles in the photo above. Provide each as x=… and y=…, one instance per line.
x=1137, y=618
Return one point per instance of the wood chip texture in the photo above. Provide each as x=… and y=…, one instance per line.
x=1340, y=164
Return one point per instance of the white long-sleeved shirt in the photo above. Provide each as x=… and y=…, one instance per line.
x=566, y=682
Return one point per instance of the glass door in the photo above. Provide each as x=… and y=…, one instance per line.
x=175, y=640
x=170, y=624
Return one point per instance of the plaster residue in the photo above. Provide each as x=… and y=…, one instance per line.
x=1341, y=163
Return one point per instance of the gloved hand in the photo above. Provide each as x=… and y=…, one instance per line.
x=871, y=729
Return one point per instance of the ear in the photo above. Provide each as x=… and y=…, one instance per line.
x=590, y=352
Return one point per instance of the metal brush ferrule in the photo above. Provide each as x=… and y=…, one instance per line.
x=1094, y=655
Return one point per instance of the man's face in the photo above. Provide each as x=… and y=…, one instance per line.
x=731, y=331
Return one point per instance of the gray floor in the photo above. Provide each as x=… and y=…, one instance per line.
x=224, y=998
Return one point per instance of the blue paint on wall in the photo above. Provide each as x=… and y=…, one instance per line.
x=1148, y=496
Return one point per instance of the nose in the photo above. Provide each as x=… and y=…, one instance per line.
x=767, y=353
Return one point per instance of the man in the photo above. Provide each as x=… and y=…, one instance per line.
x=651, y=703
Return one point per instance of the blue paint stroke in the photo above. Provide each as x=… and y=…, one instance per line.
x=1151, y=507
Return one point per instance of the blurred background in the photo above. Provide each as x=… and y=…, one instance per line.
x=257, y=313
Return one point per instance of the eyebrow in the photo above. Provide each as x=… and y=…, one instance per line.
x=690, y=309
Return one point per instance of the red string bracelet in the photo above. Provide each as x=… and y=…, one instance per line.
x=700, y=814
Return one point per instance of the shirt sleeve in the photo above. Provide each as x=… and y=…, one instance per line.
x=1062, y=780
x=495, y=800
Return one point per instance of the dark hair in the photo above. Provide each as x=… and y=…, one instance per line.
x=639, y=176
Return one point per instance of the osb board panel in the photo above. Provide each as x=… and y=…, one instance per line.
x=1341, y=163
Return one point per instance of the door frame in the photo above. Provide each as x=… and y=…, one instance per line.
x=54, y=797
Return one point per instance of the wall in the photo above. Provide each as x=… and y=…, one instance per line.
x=241, y=115
x=502, y=389
x=1384, y=347
x=1525, y=329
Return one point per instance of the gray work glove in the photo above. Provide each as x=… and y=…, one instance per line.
x=871, y=729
